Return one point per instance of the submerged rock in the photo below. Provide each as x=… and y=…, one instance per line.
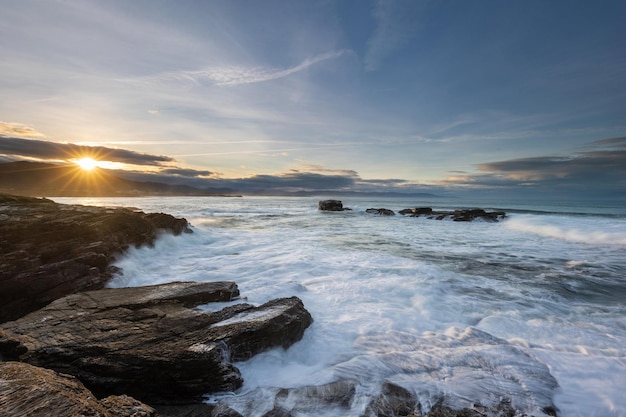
x=36, y=392
x=147, y=342
x=380, y=211
x=466, y=373
x=49, y=250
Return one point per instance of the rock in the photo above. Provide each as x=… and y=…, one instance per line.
x=472, y=214
x=36, y=392
x=126, y=406
x=49, y=250
x=147, y=342
x=417, y=211
x=196, y=410
x=380, y=211
x=331, y=205
x=465, y=215
x=394, y=400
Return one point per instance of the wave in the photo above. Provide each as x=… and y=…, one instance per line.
x=595, y=234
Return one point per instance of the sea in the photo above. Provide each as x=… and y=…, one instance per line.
x=531, y=309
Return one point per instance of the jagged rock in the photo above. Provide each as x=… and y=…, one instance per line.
x=331, y=205
x=340, y=398
x=31, y=391
x=380, y=211
x=49, y=250
x=393, y=401
x=126, y=406
x=147, y=343
x=417, y=211
x=465, y=215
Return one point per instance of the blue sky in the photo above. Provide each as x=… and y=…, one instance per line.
x=391, y=95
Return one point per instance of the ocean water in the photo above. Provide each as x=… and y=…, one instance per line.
x=532, y=308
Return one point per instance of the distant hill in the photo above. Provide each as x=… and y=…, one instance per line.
x=43, y=179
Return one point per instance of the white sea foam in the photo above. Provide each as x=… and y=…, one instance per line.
x=592, y=231
x=433, y=306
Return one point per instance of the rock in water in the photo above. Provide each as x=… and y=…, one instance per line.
x=381, y=211
x=50, y=250
x=331, y=205
x=36, y=392
x=148, y=343
x=464, y=215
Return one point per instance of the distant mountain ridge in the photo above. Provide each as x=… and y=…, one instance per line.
x=44, y=179
x=40, y=179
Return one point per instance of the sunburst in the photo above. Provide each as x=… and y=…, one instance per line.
x=87, y=164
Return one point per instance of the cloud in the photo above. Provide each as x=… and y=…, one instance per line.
x=33, y=148
x=189, y=173
x=236, y=75
x=18, y=129
x=617, y=142
x=602, y=168
x=293, y=181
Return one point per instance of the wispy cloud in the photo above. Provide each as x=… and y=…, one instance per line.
x=20, y=130
x=236, y=75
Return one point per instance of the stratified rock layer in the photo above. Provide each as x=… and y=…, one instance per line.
x=49, y=250
x=27, y=390
x=146, y=342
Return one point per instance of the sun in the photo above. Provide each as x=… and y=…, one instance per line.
x=87, y=164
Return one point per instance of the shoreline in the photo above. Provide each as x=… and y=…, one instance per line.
x=392, y=401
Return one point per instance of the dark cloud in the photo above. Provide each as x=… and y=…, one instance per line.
x=289, y=182
x=188, y=173
x=601, y=169
x=41, y=149
x=618, y=142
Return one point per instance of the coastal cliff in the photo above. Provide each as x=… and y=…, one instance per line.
x=49, y=250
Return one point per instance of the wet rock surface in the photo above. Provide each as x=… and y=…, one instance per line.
x=49, y=250
x=464, y=215
x=27, y=390
x=461, y=215
x=465, y=373
x=149, y=343
x=345, y=397
x=380, y=211
x=331, y=205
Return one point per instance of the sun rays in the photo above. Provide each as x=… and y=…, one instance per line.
x=87, y=164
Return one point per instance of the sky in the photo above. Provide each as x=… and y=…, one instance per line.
x=382, y=95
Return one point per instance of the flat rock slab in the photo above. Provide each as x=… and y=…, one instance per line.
x=49, y=250
x=149, y=343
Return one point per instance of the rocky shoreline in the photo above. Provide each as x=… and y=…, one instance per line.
x=49, y=250
x=70, y=347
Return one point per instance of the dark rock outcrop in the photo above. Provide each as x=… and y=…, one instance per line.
x=464, y=215
x=331, y=205
x=147, y=343
x=36, y=392
x=49, y=250
x=381, y=211
x=417, y=211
